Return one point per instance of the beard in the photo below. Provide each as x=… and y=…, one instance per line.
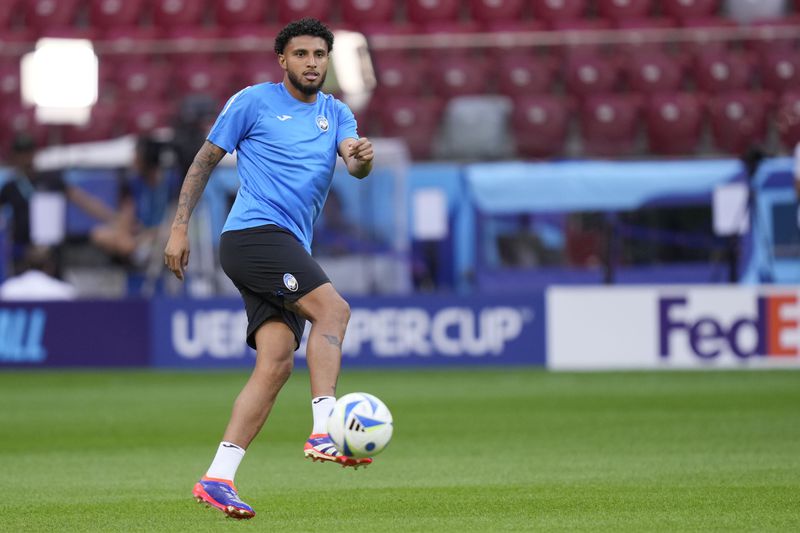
x=307, y=89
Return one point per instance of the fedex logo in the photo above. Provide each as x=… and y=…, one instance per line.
x=771, y=331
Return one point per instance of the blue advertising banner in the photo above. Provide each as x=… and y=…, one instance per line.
x=386, y=331
x=61, y=334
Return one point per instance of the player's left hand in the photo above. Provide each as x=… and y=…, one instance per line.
x=361, y=150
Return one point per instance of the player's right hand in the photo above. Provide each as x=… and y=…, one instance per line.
x=176, y=254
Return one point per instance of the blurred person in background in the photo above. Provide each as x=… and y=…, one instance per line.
x=797, y=179
x=38, y=281
x=25, y=182
x=286, y=136
x=145, y=196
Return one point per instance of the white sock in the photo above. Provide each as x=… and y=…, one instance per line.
x=322, y=407
x=227, y=460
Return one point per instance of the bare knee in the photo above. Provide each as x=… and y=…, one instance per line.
x=275, y=371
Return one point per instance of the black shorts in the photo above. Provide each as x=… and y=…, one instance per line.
x=270, y=268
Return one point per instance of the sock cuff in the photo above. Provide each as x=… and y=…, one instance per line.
x=231, y=446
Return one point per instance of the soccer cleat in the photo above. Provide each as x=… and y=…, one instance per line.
x=319, y=447
x=221, y=493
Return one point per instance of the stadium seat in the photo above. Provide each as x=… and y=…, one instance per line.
x=361, y=13
x=9, y=80
x=690, y=9
x=195, y=43
x=540, y=124
x=788, y=119
x=144, y=117
x=212, y=78
x=43, y=14
x=129, y=40
x=289, y=10
x=426, y=11
x=414, y=119
x=719, y=71
x=553, y=11
x=617, y=10
x=521, y=72
x=252, y=41
x=252, y=70
x=651, y=71
x=609, y=124
x=18, y=119
x=142, y=80
x=780, y=70
x=590, y=72
x=487, y=11
x=703, y=40
x=674, y=123
x=738, y=120
x=457, y=74
x=774, y=35
x=399, y=73
x=231, y=13
x=106, y=13
x=9, y=10
x=178, y=13
x=638, y=34
x=103, y=124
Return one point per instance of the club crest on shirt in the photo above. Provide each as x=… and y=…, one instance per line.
x=322, y=123
x=290, y=282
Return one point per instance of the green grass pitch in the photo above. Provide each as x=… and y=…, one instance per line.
x=474, y=450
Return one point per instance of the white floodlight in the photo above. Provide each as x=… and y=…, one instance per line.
x=60, y=78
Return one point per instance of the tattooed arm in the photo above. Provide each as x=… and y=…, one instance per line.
x=176, y=254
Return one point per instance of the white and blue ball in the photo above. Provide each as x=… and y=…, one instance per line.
x=360, y=425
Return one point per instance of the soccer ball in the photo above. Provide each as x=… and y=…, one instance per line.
x=360, y=425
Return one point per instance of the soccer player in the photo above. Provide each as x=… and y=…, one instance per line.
x=286, y=136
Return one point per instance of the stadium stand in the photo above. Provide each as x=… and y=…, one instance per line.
x=116, y=13
x=540, y=125
x=738, y=120
x=289, y=10
x=178, y=13
x=44, y=15
x=360, y=13
x=617, y=10
x=232, y=13
x=609, y=124
x=489, y=11
x=674, y=122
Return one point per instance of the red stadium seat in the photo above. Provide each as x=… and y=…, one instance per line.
x=9, y=81
x=520, y=73
x=18, y=119
x=360, y=13
x=143, y=117
x=414, y=119
x=252, y=71
x=399, y=74
x=617, y=10
x=609, y=124
x=103, y=124
x=652, y=71
x=175, y=13
x=590, y=72
x=788, y=119
x=674, y=123
x=132, y=41
x=141, y=80
x=703, y=31
x=212, y=78
x=253, y=40
x=719, y=71
x=780, y=70
x=231, y=13
x=42, y=14
x=553, y=11
x=540, y=124
x=457, y=74
x=106, y=13
x=427, y=11
x=194, y=43
x=639, y=36
x=289, y=10
x=9, y=10
x=487, y=11
x=690, y=9
x=738, y=120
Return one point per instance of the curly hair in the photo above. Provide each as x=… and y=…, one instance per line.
x=305, y=26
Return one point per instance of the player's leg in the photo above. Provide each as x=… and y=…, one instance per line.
x=328, y=314
x=275, y=344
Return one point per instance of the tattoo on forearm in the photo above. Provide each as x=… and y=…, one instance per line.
x=333, y=340
x=196, y=180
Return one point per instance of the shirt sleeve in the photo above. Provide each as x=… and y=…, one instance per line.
x=234, y=121
x=347, y=124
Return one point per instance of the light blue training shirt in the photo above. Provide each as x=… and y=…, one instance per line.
x=286, y=151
